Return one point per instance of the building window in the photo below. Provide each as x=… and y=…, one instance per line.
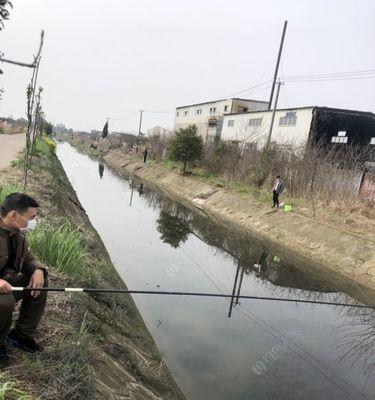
x=186, y=113
x=231, y=122
x=290, y=119
x=178, y=114
x=255, y=121
x=198, y=112
x=212, y=110
x=225, y=108
x=340, y=138
x=372, y=141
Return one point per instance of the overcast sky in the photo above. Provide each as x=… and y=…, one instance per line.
x=111, y=58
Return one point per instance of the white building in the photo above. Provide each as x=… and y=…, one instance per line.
x=208, y=116
x=296, y=126
x=291, y=126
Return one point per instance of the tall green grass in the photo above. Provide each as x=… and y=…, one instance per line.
x=8, y=189
x=60, y=246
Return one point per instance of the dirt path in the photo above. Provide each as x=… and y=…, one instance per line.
x=10, y=146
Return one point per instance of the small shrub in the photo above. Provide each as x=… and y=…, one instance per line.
x=51, y=143
x=186, y=146
x=19, y=163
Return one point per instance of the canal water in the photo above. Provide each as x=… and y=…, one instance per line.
x=217, y=349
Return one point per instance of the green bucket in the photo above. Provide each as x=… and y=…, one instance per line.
x=288, y=208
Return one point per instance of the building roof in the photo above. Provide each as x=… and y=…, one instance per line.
x=216, y=101
x=342, y=110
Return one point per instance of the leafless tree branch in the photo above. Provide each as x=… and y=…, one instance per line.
x=23, y=64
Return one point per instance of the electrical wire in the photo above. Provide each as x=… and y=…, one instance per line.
x=123, y=118
x=329, y=79
x=248, y=89
x=348, y=73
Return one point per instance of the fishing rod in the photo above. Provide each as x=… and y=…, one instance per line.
x=193, y=294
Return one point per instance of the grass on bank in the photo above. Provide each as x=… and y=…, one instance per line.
x=7, y=190
x=59, y=245
x=260, y=194
x=9, y=389
x=86, y=149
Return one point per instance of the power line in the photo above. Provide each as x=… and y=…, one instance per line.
x=329, y=79
x=347, y=73
x=248, y=89
x=123, y=118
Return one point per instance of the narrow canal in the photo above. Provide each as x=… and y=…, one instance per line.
x=217, y=349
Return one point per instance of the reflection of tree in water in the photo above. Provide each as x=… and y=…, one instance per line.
x=174, y=229
x=357, y=342
x=243, y=249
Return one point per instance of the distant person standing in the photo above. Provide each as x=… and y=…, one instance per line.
x=145, y=154
x=277, y=190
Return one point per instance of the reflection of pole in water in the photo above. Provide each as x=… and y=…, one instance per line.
x=240, y=284
x=140, y=190
x=234, y=291
x=101, y=170
x=131, y=193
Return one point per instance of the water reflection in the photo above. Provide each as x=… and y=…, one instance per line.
x=174, y=229
x=175, y=222
x=101, y=170
x=140, y=190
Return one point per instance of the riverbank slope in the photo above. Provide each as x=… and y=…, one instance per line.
x=96, y=346
x=340, y=254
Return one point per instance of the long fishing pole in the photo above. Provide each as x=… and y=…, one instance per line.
x=193, y=294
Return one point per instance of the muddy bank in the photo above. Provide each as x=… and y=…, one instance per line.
x=105, y=331
x=344, y=257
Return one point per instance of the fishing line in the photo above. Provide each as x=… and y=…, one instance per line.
x=193, y=294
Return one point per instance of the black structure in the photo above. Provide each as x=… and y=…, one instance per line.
x=335, y=127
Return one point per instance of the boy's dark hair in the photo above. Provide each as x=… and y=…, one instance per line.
x=278, y=177
x=17, y=201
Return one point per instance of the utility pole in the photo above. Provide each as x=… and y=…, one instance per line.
x=277, y=64
x=279, y=83
x=140, y=123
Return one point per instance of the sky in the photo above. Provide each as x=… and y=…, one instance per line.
x=112, y=58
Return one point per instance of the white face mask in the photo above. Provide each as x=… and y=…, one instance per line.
x=31, y=225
